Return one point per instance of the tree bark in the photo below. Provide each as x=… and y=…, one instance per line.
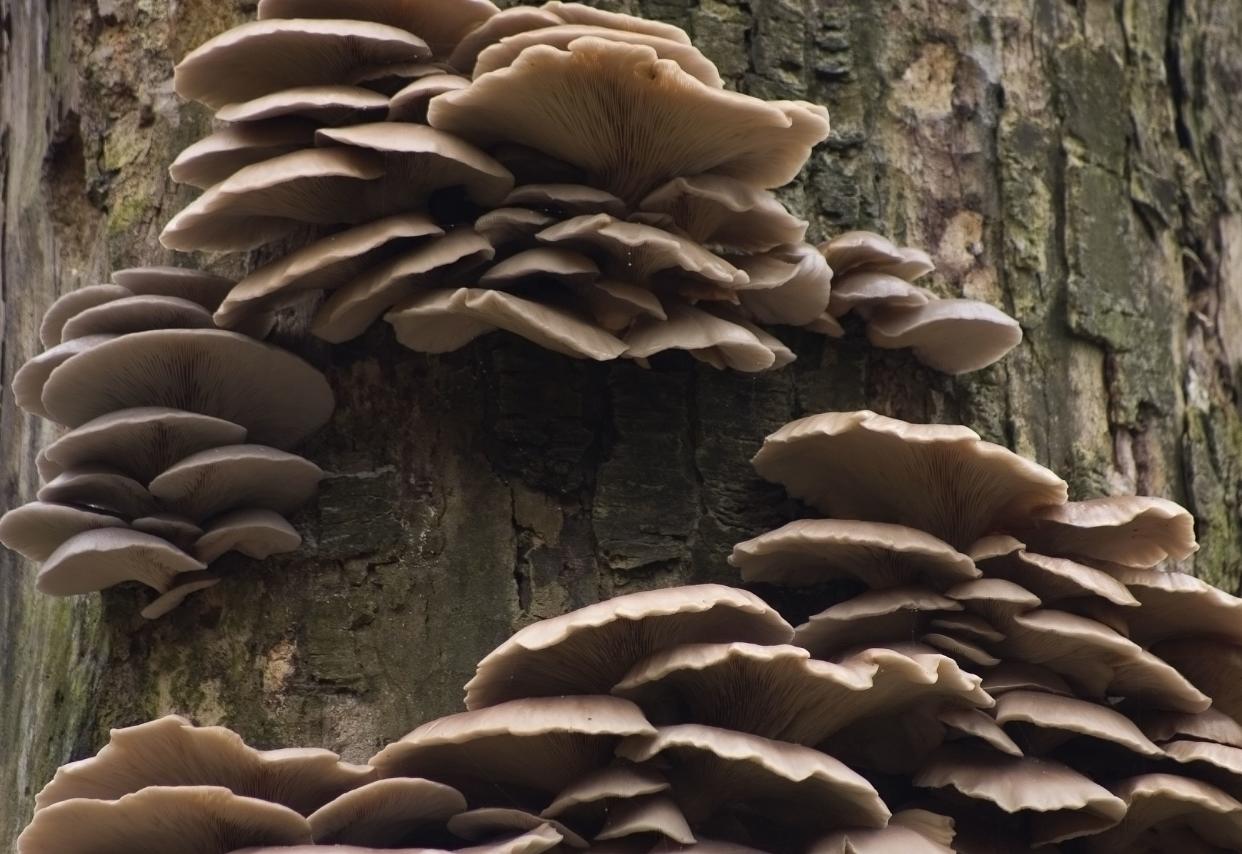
x=1076, y=163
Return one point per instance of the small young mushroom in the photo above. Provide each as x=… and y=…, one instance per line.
x=954, y=336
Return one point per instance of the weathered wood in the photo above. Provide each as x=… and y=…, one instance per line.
x=1076, y=163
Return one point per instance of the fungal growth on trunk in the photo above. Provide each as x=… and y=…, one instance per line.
x=174, y=453
x=579, y=178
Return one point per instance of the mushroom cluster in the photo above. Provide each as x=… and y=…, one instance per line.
x=175, y=452
x=577, y=177
x=1116, y=721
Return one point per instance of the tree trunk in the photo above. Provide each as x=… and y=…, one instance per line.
x=1076, y=163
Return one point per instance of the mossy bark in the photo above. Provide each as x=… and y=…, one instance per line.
x=1074, y=162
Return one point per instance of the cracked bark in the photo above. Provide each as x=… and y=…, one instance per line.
x=1075, y=162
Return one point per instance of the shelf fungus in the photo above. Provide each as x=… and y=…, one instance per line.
x=176, y=447
x=534, y=129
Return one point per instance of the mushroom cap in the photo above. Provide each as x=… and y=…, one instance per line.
x=137, y=314
x=141, y=442
x=911, y=831
x=800, y=296
x=257, y=533
x=723, y=211
x=960, y=649
x=436, y=321
x=653, y=814
x=812, y=551
x=326, y=104
x=778, y=692
x=995, y=598
x=214, y=158
x=487, y=823
x=391, y=78
x=98, y=559
x=565, y=103
x=1049, y=578
x=875, y=618
x=722, y=343
x=160, y=819
x=1175, y=604
x=262, y=57
x=561, y=265
x=323, y=265
x=1065, y=804
x=1153, y=800
x=864, y=291
x=517, y=19
x=1212, y=725
x=1131, y=530
x=1073, y=716
x=206, y=289
x=1212, y=665
x=544, y=838
x=409, y=104
x=615, y=305
x=973, y=723
x=689, y=58
x=569, y=200
x=858, y=251
x=713, y=768
x=955, y=486
x=212, y=482
x=589, y=650
x=954, y=336
x=172, y=752
x=278, y=398
x=70, y=304
x=349, y=311
x=31, y=378
x=100, y=487
x=615, y=782
x=384, y=813
x=521, y=750
x=35, y=530
x=1023, y=676
x=966, y=626
x=511, y=225
x=1099, y=661
x=442, y=23
x=580, y=13
x=266, y=200
x=167, y=602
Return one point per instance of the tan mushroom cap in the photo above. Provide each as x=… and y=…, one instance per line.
x=788, y=696
x=385, y=813
x=1099, y=661
x=71, y=304
x=409, y=104
x=262, y=57
x=256, y=533
x=1022, y=676
x=137, y=314
x=99, y=487
x=859, y=251
x=1132, y=530
x=355, y=306
x=325, y=264
x=565, y=199
x=689, y=58
x=104, y=557
x=267, y=200
x=512, y=225
x=141, y=442
x=278, y=398
x=954, y=336
x=31, y=378
x=419, y=160
x=863, y=291
x=332, y=104
x=723, y=211
x=536, y=841
x=158, y=820
x=1049, y=578
x=1213, y=666
x=171, y=751
x=1212, y=725
x=616, y=782
x=442, y=23
x=564, y=103
x=488, y=823
x=653, y=814
x=1218, y=757
x=178, y=530
x=580, y=13
x=1072, y=716
x=206, y=289
x=35, y=530
x=436, y=321
x=615, y=305
x=512, y=21
x=391, y=78
x=1175, y=604
x=708, y=337
x=878, y=617
x=165, y=603
x=1155, y=801
x=954, y=485
x=996, y=599
x=1063, y=803
x=957, y=647
x=811, y=551
x=214, y=158
x=967, y=626
x=563, y=265
x=801, y=298
x=713, y=768
x=525, y=749
x=589, y=650
x=974, y=723
x=211, y=482
x=911, y=831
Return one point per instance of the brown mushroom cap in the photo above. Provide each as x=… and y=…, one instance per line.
x=98, y=559
x=1070, y=716
x=615, y=305
x=1131, y=530
x=1022, y=676
x=266, y=200
x=801, y=296
x=99, y=487
x=616, y=782
x=1213, y=666
x=653, y=814
x=137, y=314
x=409, y=104
x=178, y=530
x=589, y=650
x=954, y=485
x=974, y=723
x=278, y=398
x=256, y=533
x=1175, y=604
x=864, y=291
x=211, y=482
x=436, y=321
x=909, y=832
x=165, y=603
x=512, y=21
x=995, y=598
x=214, y=158
x=31, y=378
x=580, y=13
x=719, y=210
x=512, y=225
x=326, y=104
x=859, y=251
x=206, y=289
x=954, y=336
x=487, y=823
x=391, y=78
x=1212, y=725
x=158, y=820
x=141, y=442
x=720, y=342
x=1159, y=801
x=517, y=751
x=564, y=103
x=568, y=200
x=812, y=551
x=879, y=617
x=72, y=303
x=544, y=838
x=385, y=813
x=1049, y=578
x=778, y=692
x=713, y=768
x=37, y=529
x=561, y=265
x=262, y=57
x=172, y=752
